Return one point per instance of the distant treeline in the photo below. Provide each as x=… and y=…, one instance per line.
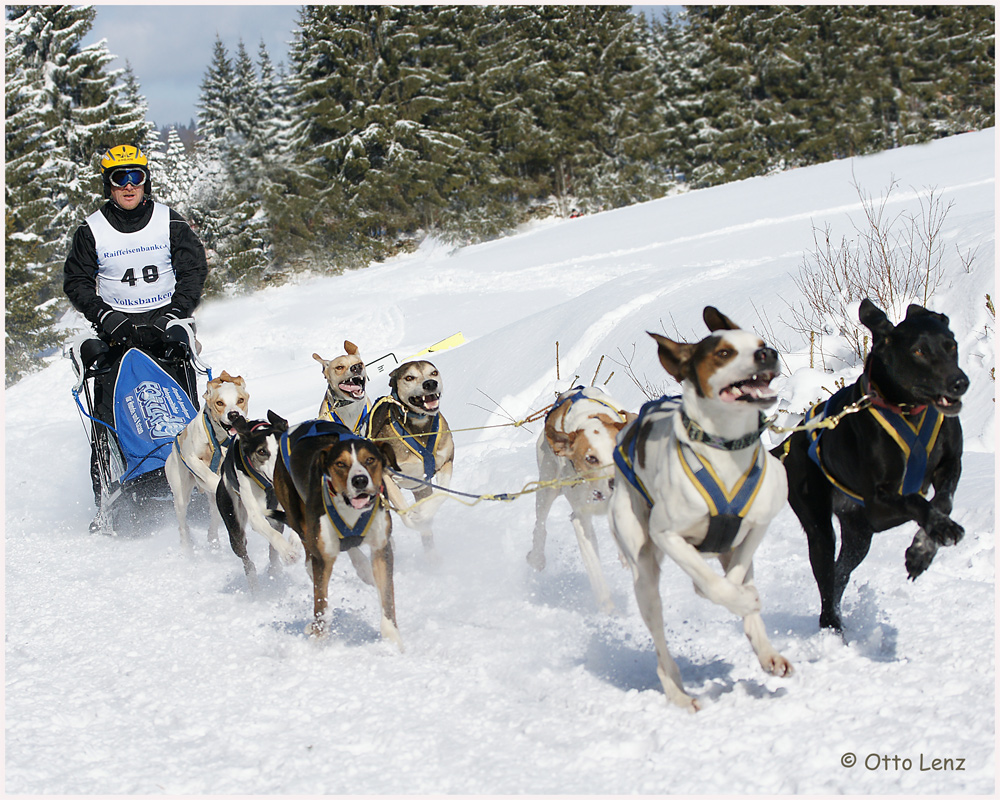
x=392, y=123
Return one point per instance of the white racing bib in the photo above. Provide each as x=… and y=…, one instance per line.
x=134, y=269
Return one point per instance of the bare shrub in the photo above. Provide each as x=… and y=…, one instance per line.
x=893, y=259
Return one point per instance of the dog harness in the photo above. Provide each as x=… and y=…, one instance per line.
x=726, y=507
x=316, y=427
x=422, y=445
x=218, y=448
x=330, y=414
x=915, y=434
x=240, y=460
x=350, y=535
x=579, y=394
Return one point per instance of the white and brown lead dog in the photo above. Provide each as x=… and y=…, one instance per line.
x=411, y=422
x=345, y=400
x=330, y=484
x=693, y=481
x=196, y=457
x=575, y=461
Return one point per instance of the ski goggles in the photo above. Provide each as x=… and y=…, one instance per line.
x=121, y=178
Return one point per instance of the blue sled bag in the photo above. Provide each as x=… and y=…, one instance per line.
x=150, y=410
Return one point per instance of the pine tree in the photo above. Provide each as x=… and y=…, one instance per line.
x=175, y=177
x=61, y=96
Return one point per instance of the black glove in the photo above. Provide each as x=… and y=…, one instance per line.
x=116, y=326
x=161, y=322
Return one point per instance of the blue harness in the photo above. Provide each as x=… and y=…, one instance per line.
x=423, y=445
x=914, y=438
x=218, y=448
x=350, y=535
x=579, y=393
x=316, y=427
x=726, y=507
x=240, y=459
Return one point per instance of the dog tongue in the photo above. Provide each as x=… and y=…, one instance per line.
x=431, y=402
x=352, y=389
x=361, y=501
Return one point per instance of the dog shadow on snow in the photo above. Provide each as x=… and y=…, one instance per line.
x=347, y=626
x=628, y=665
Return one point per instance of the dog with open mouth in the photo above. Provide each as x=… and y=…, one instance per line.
x=409, y=419
x=345, y=400
x=694, y=482
x=330, y=486
x=196, y=457
x=575, y=460
x=875, y=468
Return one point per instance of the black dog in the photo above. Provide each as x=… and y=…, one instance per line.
x=875, y=467
x=246, y=491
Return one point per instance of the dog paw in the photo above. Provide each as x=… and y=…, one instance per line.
x=830, y=620
x=289, y=554
x=536, y=560
x=744, y=601
x=316, y=629
x=947, y=532
x=685, y=701
x=919, y=555
x=390, y=633
x=777, y=664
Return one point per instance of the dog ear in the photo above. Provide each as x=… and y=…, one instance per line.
x=350, y=348
x=241, y=426
x=394, y=378
x=673, y=355
x=388, y=455
x=717, y=321
x=321, y=360
x=561, y=443
x=279, y=424
x=913, y=311
x=874, y=318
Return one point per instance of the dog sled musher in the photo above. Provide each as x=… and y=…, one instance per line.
x=134, y=398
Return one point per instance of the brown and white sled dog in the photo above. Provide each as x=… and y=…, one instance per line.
x=330, y=484
x=575, y=455
x=693, y=481
x=345, y=400
x=196, y=457
x=411, y=422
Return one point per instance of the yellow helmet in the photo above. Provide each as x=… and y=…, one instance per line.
x=120, y=157
x=124, y=155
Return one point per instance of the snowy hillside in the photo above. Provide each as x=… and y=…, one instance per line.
x=132, y=669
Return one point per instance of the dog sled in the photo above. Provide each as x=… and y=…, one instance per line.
x=134, y=400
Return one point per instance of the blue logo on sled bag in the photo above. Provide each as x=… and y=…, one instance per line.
x=150, y=410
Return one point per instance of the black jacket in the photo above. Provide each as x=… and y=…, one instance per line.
x=187, y=256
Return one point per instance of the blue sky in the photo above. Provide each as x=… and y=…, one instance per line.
x=170, y=46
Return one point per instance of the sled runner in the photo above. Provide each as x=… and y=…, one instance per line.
x=136, y=399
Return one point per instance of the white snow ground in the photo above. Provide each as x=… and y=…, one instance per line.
x=133, y=669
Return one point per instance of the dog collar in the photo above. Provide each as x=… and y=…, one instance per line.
x=330, y=414
x=878, y=399
x=697, y=434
